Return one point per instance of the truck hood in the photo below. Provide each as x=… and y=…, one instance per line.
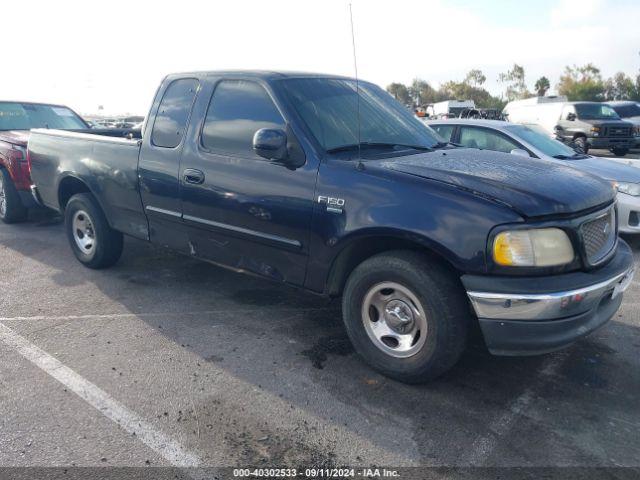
x=15, y=137
x=531, y=187
x=634, y=120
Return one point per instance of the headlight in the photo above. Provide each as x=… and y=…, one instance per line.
x=629, y=188
x=542, y=247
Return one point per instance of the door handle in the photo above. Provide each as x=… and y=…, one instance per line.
x=191, y=175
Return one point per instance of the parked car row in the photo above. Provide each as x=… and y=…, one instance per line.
x=273, y=174
x=612, y=126
x=584, y=125
x=120, y=123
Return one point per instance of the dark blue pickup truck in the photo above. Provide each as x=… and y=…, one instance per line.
x=328, y=184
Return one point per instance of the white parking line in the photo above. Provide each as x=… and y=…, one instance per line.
x=169, y=449
x=485, y=444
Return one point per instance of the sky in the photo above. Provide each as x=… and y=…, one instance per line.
x=113, y=53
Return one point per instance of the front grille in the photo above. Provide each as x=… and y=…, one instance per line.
x=617, y=132
x=599, y=236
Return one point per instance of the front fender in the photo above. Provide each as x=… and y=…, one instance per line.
x=454, y=224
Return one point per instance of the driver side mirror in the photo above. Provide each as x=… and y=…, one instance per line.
x=270, y=144
x=571, y=117
x=520, y=152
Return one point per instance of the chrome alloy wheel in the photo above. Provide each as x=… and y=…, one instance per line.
x=394, y=319
x=3, y=198
x=83, y=232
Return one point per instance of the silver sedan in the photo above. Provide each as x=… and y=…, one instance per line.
x=533, y=141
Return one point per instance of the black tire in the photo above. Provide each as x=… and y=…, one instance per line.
x=580, y=145
x=11, y=208
x=620, y=152
x=440, y=295
x=104, y=244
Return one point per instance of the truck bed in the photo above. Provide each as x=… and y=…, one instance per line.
x=107, y=164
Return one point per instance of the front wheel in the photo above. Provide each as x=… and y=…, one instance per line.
x=11, y=208
x=406, y=315
x=581, y=145
x=94, y=243
x=620, y=152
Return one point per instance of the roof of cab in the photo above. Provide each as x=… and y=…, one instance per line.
x=469, y=121
x=262, y=74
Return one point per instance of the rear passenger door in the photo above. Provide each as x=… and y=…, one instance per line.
x=240, y=209
x=159, y=163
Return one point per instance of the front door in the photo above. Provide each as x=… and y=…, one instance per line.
x=241, y=210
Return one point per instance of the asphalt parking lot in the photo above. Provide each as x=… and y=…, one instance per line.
x=165, y=360
x=632, y=156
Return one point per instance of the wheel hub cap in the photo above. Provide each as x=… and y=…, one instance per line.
x=394, y=319
x=398, y=316
x=83, y=232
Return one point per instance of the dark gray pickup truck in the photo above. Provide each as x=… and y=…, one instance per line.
x=276, y=175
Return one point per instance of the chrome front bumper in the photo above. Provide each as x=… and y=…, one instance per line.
x=547, y=306
x=533, y=315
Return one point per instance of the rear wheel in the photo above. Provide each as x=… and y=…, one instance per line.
x=620, y=152
x=406, y=315
x=11, y=208
x=580, y=145
x=94, y=243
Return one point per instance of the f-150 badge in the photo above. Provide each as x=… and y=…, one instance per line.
x=334, y=204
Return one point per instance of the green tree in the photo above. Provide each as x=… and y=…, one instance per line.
x=475, y=78
x=516, y=85
x=422, y=93
x=621, y=87
x=400, y=92
x=470, y=89
x=541, y=86
x=582, y=83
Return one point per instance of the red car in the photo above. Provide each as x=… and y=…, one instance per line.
x=16, y=119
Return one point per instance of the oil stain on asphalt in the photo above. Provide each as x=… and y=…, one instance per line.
x=325, y=346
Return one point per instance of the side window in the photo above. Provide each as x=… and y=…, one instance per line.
x=238, y=109
x=445, y=131
x=485, y=139
x=568, y=110
x=173, y=113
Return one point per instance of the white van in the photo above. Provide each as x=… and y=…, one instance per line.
x=543, y=111
x=449, y=108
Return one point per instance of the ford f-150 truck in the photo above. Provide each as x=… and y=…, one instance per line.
x=329, y=184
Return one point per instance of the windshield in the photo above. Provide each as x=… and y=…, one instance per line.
x=593, y=111
x=25, y=116
x=329, y=108
x=626, y=111
x=538, y=138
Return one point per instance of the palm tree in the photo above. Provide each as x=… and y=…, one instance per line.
x=542, y=85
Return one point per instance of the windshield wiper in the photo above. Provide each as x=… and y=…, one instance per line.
x=575, y=156
x=445, y=144
x=355, y=146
